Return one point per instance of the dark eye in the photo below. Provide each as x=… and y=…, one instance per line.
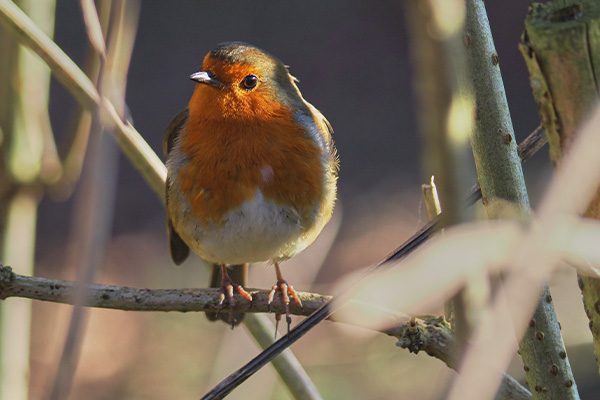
x=250, y=82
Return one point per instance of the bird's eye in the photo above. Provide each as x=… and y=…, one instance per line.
x=250, y=82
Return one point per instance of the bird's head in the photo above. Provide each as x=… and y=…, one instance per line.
x=240, y=81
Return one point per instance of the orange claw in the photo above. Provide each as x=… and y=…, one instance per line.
x=286, y=291
x=227, y=288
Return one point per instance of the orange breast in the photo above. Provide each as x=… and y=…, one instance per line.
x=258, y=146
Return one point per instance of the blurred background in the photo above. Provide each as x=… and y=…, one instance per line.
x=353, y=63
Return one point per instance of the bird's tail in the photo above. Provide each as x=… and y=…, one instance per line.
x=237, y=273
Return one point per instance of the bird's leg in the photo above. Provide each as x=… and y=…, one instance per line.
x=286, y=291
x=227, y=288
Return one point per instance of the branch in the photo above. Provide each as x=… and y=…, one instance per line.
x=68, y=73
x=430, y=334
x=434, y=336
x=133, y=299
x=501, y=178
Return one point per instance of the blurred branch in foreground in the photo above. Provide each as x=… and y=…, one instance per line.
x=68, y=73
x=28, y=158
x=444, y=97
x=493, y=240
x=532, y=261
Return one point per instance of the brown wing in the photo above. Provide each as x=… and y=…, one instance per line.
x=327, y=131
x=173, y=130
x=179, y=249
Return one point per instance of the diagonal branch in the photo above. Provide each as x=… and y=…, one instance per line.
x=68, y=73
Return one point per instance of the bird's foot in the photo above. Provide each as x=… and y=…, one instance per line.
x=286, y=291
x=227, y=289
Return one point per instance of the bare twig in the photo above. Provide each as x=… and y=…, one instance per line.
x=532, y=144
x=66, y=71
x=132, y=299
x=93, y=26
x=432, y=201
x=92, y=217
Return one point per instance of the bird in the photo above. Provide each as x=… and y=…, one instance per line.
x=252, y=171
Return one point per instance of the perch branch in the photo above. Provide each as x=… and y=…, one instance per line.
x=432, y=335
x=133, y=299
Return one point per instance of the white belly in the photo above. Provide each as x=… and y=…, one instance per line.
x=259, y=230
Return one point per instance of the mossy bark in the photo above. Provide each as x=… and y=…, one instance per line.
x=561, y=47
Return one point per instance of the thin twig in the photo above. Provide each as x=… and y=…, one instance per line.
x=133, y=299
x=68, y=73
x=92, y=218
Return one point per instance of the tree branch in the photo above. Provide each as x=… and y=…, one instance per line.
x=430, y=334
x=434, y=336
x=134, y=299
x=500, y=176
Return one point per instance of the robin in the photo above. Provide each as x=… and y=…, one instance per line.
x=252, y=170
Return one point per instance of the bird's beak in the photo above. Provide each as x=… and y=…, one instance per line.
x=206, y=78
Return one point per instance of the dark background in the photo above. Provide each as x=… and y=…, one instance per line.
x=353, y=63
